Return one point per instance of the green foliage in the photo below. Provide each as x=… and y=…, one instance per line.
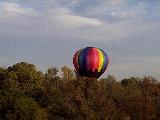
x=25, y=75
x=3, y=72
x=51, y=77
x=27, y=94
x=51, y=72
x=15, y=105
x=67, y=73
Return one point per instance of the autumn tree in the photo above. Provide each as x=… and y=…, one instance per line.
x=67, y=73
x=14, y=105
x=26, y=76
x=3, y=73
x=51, y=77
x=86, y=100
x=26, y=93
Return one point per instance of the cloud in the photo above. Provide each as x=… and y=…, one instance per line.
x=77, y=21
x=13, y=8
x=115, y=2
x=121, y=14
x=49, y=32
x=136, y=66
x=60, y=19
x=61, y=22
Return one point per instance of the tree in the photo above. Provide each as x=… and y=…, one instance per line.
x=25, y=93
x=26, y=75
x=51, y=72
x=51, y=77
x=134, y=102
x=67, y=73
x=87, y=100
x=14, y=105
x=3, y=72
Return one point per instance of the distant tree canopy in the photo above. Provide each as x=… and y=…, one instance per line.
x=29, y=94
x=67, y=73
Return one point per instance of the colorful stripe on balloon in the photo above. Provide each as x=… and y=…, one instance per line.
x=91, y=59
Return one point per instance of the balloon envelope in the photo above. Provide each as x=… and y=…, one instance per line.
x=90, y=62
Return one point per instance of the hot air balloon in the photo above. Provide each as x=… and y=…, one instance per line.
x=90, y=62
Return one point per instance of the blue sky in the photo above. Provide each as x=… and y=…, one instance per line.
x=48, y=33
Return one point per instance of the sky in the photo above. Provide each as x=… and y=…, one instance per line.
x=48, y=33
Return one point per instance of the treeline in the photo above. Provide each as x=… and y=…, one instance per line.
x=28, y=94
